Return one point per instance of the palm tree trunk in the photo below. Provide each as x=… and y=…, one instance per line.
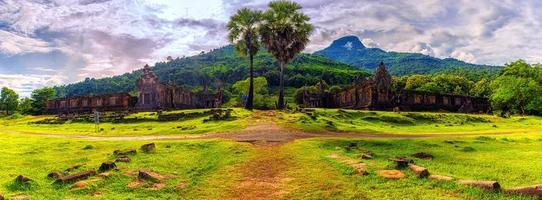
x=250, y=100
x=281, y=87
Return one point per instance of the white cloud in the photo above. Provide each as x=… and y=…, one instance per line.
x=23, y=84
x=16, y=44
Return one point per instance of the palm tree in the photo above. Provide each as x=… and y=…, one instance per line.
x=284, y=32
x=243, y=27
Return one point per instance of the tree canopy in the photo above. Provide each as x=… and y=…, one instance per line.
x=9, y=100
x=518, y=89
x=39, y=98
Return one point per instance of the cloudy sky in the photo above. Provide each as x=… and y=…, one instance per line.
x=50, y=42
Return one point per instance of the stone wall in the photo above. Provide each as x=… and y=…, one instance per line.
x=89, y=104
x=375, y=93
x=151, y=96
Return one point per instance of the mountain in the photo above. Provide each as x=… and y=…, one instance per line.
x=350, y=50
x=221, y=68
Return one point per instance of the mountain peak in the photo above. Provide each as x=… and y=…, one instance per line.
x=349, y=42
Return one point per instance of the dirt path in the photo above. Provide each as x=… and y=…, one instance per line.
x=263, y=174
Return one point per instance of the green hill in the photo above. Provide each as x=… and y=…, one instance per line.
x=351, y=50
x=221, y=68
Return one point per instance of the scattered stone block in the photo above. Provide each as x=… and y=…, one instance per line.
x=76, y=177
x=125, y=159
x=391, y=174
x=422, y=172
x=534, y=191
x=150, y=176
x=423, y=155
x=22, y=179
x=54, y=175
x=80, y=184
x=125, y=152
x=488, y=185
x=440, y=178
x=106, y=166
x=401, y=162
x=148, y=147
x=104, y=174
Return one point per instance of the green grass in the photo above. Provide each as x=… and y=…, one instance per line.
x=211, y=169
x=144, y=123
x=407, y=122
x=203, y=166
x=512, y=160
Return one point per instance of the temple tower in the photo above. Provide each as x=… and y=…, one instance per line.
x=383, y=83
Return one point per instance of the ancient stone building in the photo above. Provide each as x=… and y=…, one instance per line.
x=89, y=104
x=375, y=93
x=151, y=95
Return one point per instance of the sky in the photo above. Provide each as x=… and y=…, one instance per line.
x=53, y=42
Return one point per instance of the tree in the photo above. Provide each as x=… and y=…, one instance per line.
x=285, y=32
x=243, y=27
x=518, y=89
x=9, y=100
x=260, y=90
x=25, y=106
x=415, y=81
x=39, y=99
x=481, y=89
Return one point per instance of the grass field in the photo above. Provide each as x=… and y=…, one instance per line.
x=300, y=169
x=334, y=120
x=209, y=169
x=511, y=160
x=406, y=122
x=193, y=168
x=144, y=123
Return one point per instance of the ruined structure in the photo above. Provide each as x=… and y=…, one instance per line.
x=151, y=96
x=88, y=104
x=375, y=93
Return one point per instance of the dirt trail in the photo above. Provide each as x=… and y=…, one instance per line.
x=263, y=175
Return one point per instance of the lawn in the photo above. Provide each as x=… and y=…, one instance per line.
x=193, y=169
x=339, y=120
x=511, y=160
x=136, y=124
x=210, y=169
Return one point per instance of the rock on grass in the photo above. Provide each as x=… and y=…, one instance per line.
x=22, y=179
x=488, y=185
x=107, y=166
x=148, y=147
x=150, y=176
x=534, y=191
x=391, y=174
x=80, y=184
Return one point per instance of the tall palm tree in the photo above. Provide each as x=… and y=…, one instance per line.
x=243, y=27
x=284, y=32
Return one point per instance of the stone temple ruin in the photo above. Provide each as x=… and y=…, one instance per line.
x=151, y=96
x=375, y=93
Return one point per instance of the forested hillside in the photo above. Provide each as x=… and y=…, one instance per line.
x=351, y=50
x=221, y=68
